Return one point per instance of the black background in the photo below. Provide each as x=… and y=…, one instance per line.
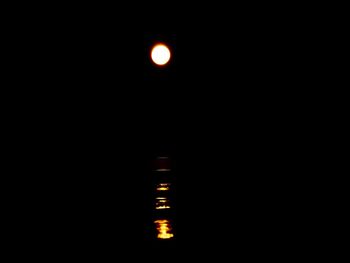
x=92, y=112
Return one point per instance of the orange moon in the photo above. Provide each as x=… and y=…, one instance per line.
x=160, y=54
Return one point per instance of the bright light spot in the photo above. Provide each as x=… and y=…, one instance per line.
x=163, y=187
x=162, y=170
x=164, y=229
x=160, y=54
x=163, y=207
x=162, y=203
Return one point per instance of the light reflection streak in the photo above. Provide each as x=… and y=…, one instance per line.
x=163, y=225
x=164, y=229
x=163, y=187
x=163, y=207
x=162, y=203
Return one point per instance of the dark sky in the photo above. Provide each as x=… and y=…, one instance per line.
x=98, y=111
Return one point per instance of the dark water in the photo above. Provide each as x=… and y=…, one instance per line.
x=97, y=203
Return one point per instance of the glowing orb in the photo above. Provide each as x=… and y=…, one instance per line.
x=160, y=54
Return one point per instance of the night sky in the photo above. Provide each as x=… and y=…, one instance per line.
x=99, y=112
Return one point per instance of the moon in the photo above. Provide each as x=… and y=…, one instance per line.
x=160, y=54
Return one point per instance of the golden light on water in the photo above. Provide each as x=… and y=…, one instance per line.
x=162, y=203
x=163, y=187
x=163, y=199
x=164, y=229
x=162, y=207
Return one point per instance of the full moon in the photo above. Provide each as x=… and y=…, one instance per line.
x=160, y=54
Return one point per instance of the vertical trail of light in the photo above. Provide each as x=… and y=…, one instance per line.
x=164, y=229
x=163, y=225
